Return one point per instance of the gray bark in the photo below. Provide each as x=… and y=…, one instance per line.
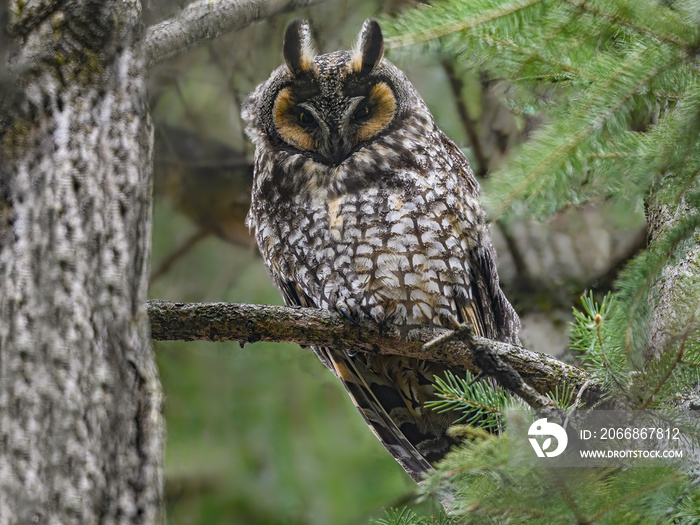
x=81, y=426
x=673, y=309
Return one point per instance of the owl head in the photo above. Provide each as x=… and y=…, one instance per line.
x=328, y=107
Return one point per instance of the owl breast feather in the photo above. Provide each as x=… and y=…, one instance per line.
x=396, y=254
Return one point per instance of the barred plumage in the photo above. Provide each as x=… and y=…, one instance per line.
x=362, y=205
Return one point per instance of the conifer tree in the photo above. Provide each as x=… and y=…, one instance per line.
x=618, y=87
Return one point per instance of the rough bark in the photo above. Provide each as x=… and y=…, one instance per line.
x=307, y=326
x=671, y=310
x=81, y=427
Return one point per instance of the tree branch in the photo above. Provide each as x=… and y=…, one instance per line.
x=490, y=364
x=311, y=327
x=204, y=20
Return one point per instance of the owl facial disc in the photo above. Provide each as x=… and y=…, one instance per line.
x=333, y=104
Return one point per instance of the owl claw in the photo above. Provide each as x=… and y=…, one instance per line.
x=378, y=315
x=343, y=309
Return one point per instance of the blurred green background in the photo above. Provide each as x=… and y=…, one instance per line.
x=265, y=434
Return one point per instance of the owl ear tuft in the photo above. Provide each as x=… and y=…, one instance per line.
x=369, y=48
x=299, y=48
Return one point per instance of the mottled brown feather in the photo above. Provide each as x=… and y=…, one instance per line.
x=379, y=220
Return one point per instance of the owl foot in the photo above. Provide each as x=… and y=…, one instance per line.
x=343, y=308
x=463, y=332
x=379, y=317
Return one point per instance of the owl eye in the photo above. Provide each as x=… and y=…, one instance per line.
x=361, y=113
x=306, y=119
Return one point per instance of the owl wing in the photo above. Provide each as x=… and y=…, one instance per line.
x=498, y=318
x=380, y=398
x=486, y=307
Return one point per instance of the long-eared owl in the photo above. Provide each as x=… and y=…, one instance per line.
x=363, y=206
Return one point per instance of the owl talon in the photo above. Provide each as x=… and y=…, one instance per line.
x=377, y=313
x=463, y=333
x=346, y=313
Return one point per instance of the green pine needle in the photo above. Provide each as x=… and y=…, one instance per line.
x=601, y=63
x=481, y=403
x=408, y=517
x=592, y=338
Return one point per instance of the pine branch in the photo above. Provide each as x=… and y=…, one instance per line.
x=477, y=18
x=480, y=402
x=633, y=495
x=406, y=516
x=307, y=327
x=551, y=157
x=590, y=335
x=648, y=19
x=205, y=20
x=565, y=492
x=563, y=70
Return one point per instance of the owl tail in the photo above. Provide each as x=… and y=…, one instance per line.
x=375, y=413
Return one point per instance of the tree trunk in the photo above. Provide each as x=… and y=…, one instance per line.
x=672, y=310
x=81, y=427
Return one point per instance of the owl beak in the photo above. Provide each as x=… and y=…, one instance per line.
x=339, y=150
